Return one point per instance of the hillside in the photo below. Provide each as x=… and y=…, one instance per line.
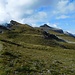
x=58, y=32
x=25, y=50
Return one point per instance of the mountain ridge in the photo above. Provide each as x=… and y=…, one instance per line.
x=45, y=27
x=26, y=50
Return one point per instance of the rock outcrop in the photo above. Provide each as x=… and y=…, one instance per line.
x=47, y=28
x=52, y=36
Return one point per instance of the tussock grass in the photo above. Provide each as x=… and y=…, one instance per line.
x=37, y=59
x=36, y=55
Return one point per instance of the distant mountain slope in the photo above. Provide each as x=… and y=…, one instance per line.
x=46, y=28
x=70, y=34
x=59, y=32
x=25, y=33
x=25, y=28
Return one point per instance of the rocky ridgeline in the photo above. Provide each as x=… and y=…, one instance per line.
x=52, y=36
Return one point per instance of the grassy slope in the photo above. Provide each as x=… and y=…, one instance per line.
x=36, y=56
x=63, y=36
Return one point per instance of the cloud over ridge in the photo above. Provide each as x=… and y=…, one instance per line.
x=27, y=11
x=21, y=9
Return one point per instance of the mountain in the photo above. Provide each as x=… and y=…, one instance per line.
x=26, y=50
x=70, y=34
x=46, y=28
x=3, y=27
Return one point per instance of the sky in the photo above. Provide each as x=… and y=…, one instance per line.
x=55, y=13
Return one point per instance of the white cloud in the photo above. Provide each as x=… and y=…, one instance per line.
x=21, y=9
x=53, y=25
x=64, y=7
x=24, y=11
x=62, y=17
x=33, y=19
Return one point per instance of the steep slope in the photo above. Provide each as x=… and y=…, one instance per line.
x=26, y=51
x=24, y=33
x=58, y=32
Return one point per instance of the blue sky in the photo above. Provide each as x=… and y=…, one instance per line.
x=56, y=13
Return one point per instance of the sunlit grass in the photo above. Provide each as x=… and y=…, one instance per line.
x=35, y=55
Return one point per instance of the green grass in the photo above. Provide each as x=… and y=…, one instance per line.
x=35, y=55
x=37, y=60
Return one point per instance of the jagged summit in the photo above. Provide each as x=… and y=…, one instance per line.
x=45, y=25
x=14, y=25
x=47, y=28
x=12, y=22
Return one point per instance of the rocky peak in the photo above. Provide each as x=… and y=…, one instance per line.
x=45, y=25
x=12, y=22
